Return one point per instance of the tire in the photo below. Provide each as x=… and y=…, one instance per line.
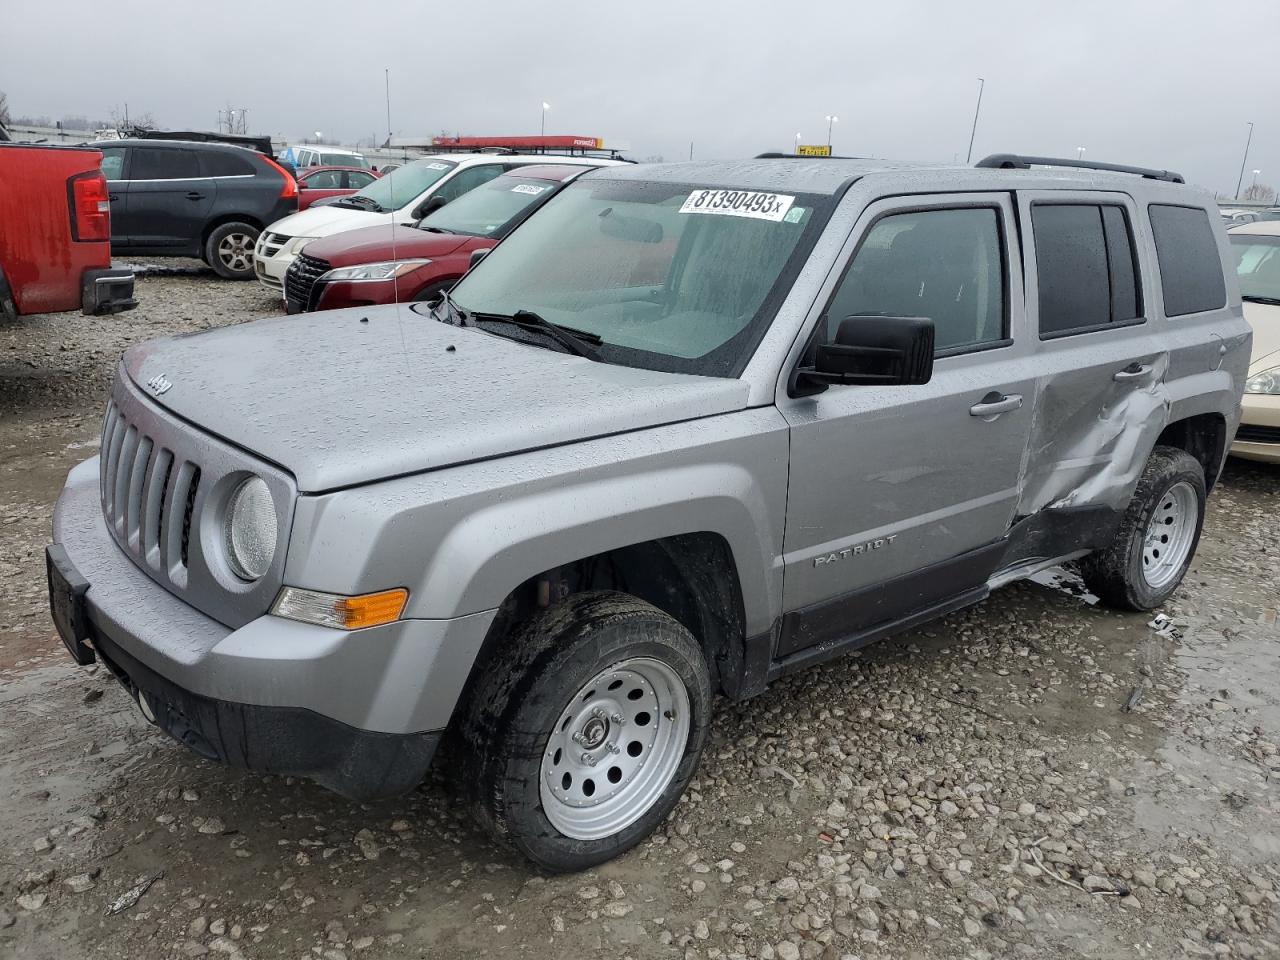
x=1157, y=537
x=433, y=290
x=530, y=703
x=229, y=250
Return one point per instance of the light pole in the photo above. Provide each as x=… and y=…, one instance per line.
x=968, y=157
x=386, y=72
x=1244, y=160
x=831, y=119
x=545, y=107
x=797, y=149
x=1079, y=153
x=1255, y=177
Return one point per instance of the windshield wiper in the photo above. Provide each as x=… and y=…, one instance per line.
x=431, y=228
x=574, y=341
x=458, y=316
x=1273, y=301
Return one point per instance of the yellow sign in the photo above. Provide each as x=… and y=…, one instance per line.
x=813, y=150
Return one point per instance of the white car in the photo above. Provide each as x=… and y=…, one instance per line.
x=404, y=195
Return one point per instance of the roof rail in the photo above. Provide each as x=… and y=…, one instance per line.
x=1013, y=161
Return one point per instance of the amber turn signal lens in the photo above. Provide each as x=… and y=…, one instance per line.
x=339, y=612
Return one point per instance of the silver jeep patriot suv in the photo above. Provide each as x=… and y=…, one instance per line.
x=688, y=429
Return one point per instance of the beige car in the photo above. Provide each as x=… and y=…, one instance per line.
x=1257, y=249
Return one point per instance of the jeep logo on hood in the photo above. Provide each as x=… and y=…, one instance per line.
x=159, y=384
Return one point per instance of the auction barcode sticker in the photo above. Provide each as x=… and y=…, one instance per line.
x=739, y=203
x=528, y=188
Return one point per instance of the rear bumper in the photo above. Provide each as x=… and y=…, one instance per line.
x=1258, y=436
x=106, y=290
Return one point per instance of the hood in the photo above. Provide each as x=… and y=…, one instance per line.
x=339, y=400
x=384, y=242
x=1265, y=320
x=326, y=221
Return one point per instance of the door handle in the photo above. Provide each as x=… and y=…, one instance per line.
x=994, y=404
x=192, y=195
x=1134, y=371
x=112, y=197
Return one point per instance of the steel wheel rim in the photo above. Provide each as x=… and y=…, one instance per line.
x=236, y=251
x=1167, y=541
x=615, y=748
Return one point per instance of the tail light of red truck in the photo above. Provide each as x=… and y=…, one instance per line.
x=90, y=207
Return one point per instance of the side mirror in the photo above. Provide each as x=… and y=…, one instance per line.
x=879, y=351
x=478, y=255
x=429, y=206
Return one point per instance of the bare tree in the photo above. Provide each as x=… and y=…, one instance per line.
x=4, y=108
x=1261, y=192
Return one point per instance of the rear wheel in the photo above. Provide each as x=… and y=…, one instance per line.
x=586, y=729
x=229, y=250
x=1157, y=537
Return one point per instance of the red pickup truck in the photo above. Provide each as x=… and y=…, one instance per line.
x=55, y=233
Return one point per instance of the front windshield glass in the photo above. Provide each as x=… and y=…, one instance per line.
x=1257, y=265
x=669, y=276
x=402, y=186
x=484, y=211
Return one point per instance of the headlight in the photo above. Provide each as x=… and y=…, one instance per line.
x=250, y=529
x=386, y=270
x=1268, y=381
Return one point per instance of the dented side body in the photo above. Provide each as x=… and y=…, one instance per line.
x=826, y=521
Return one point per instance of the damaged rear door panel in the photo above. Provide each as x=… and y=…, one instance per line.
x=1101, y=394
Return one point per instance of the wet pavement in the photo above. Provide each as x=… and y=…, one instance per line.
x=974, y=788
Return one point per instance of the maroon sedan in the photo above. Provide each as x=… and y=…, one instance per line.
x=393, y=262
x=325, y=183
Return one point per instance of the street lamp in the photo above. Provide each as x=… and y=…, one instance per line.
x=545, y=107
x=831, y=118
x=797, y=150
x=1079, y=153
x=1243, y=160
x=1255, y=177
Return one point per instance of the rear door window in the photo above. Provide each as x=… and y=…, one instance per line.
x=1087, y=268
x=1190, y=267
x=157, y=163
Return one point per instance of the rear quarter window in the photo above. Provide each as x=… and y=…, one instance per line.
x=219, y=164
x=1190, y=267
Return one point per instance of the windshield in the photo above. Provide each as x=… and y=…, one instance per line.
x=484, y=211
x=1257, y=265
x=401, y=187
x=669, y=276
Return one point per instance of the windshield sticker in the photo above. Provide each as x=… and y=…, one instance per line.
x=795, y=214
x=528, y=188
x=437, y=166
x=739, y=203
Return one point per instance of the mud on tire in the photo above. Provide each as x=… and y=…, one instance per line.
x=1122, y=575
x=529, y=692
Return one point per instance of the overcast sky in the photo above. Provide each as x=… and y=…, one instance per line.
x=1170, y=83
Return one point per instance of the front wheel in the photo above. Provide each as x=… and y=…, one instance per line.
x=586, y=729
x=1157, y=537
x=229, y=250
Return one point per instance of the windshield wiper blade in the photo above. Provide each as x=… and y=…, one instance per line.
x=364, y=203
x=578, y=342
x=1273, y=301
x=431, y=228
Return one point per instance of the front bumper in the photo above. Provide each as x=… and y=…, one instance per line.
x=360, y=712
x=106, y=290
x=1258, y=436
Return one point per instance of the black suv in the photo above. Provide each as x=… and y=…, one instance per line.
x=173, y=198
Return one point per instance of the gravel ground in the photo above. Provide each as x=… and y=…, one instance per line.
x=971, y=789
